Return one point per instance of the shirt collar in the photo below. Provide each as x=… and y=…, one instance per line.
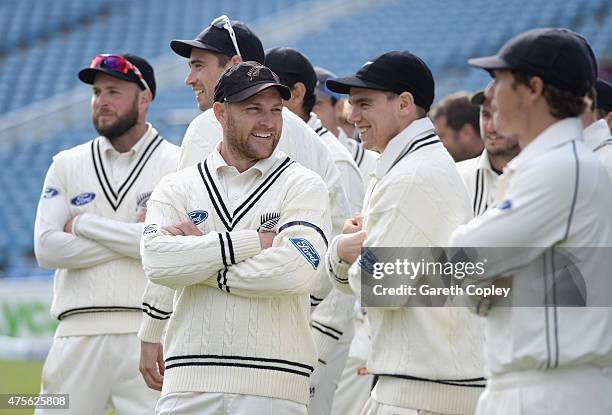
x=596, y=133
x=555, y=135
x=106, y=145
x=398, y=144
x=314, y=122
x=261, y=167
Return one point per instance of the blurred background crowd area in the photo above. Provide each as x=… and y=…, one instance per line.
x=44, y=43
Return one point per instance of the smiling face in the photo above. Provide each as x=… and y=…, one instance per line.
x=495, y=143
x=252, y=128
x=376, y=115
x=204, y=73
x=114, y=105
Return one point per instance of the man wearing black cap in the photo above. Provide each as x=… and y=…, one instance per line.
x=217, y=48
x=88, y=226
x=239, y=339
x=553, y=196
x=597, y=134
x=332, y=319
x=481, y=173
x=415, y=198
x=329, y=107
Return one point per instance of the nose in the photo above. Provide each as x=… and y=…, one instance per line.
x=190, y=79
x=355, y=115
x=267, y=119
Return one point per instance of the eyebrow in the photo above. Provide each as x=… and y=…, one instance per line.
x=359, y=100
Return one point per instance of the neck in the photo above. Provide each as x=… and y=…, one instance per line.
x=127, y=140
x=534, y=126
x=234, y=159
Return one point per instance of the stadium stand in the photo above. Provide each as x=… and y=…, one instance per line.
x=43, y=47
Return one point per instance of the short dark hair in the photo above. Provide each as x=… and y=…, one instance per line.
x=458, y=111
x=561, y=104
x=222, y=59
x=420, y=111
x=309, y=100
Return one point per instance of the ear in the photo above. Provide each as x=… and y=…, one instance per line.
x=467, y=132
x=339, y=108
x=298, y=91
x=220, y=113
x=235, y=60
x=536, y=87
x=406, y=103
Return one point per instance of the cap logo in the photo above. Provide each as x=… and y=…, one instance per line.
x=254, y=72
x=368, y=63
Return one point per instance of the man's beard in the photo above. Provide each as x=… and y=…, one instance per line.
x=120, y=126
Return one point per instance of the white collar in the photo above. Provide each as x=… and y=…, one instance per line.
x=596, y=133
x=262, y=166
x=395, y=147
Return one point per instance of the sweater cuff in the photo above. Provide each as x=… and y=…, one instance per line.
x=77, y=222
x=243, y=244
x=151, y=330
x=339, y=268
x=326, y=340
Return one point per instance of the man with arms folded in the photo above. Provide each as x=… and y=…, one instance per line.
x=553, y=196
x=415, y=199
x=88, y=226
x=239, y=338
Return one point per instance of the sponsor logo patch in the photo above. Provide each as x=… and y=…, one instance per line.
x=307, y=250
x=50, y=192
x=367, y=261
x=198, y=216
x=505, y=205
x=149, y=229
x=83, y=199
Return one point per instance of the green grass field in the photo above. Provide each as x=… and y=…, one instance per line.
x=19, y=377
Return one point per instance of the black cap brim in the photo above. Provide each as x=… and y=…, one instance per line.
x=344, y=85
x=183, y=47
x=489, y=63
x=247, y=93
x=89, y=74
x=477, y=98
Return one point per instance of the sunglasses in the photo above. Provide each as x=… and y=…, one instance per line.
x=223, y=22
x=119, y=64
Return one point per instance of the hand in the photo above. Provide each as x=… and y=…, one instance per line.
x=142, y=216
x=184, y=228
x=266, y=239
x=362, y=371
x=353, y=225
x=152, y=366
x=68, y=225
x=349, y=246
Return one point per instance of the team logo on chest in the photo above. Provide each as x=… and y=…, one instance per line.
x=268, y=221
x=198, y=216
x=83, y=199
x=142, y=199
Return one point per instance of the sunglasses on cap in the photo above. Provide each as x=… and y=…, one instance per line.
x=223, y=22
x=117, y=63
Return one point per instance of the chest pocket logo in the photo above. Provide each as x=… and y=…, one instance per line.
x=83, y=199
x=307, y=250
x=198, y=216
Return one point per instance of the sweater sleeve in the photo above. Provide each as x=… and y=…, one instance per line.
x=292, y=264
x=55, y=248
x=180, y=261
x=118, y=236
x=157, y=309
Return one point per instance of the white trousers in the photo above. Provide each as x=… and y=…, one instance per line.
x=98, y=373
x=195, y=403
x=373, y=407
x=568, y=391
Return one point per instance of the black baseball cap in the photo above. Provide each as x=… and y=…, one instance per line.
x=477, y=98
x=560, y=57
x=291, y=67
x=604, y=95
x=216, y=38
x=88, y=75
x=321, y=90
x=396, y=71
x=246, y=79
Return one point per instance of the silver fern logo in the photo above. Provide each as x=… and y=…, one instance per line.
x=254, y=72
x=142, y=199
x=268, y=222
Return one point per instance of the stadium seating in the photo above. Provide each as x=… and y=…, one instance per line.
x=43, y=47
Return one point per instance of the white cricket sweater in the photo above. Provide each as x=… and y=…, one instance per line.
x=427, y=358
x=99, y=279
x=241, y=314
